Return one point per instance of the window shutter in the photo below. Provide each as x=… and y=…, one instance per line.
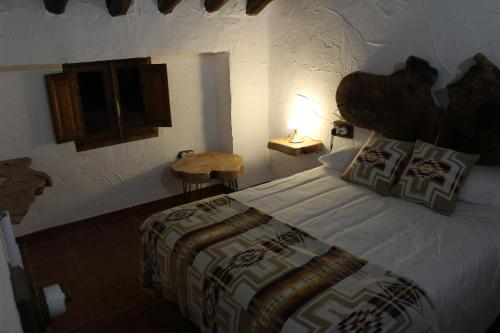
x=156, y=97
x=66, y=114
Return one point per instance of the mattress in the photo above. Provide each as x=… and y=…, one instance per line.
x=456, y=259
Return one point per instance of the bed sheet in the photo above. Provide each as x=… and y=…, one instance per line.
x=456, y=259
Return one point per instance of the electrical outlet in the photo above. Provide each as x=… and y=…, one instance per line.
x=184, y=153
x=343, y=129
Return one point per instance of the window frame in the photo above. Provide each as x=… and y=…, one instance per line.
x=118, y=133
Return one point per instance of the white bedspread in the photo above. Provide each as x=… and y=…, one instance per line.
x=456, y=260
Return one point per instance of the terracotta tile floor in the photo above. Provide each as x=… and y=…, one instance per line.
x=96, y=262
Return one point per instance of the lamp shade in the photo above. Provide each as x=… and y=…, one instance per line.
x=299, y=110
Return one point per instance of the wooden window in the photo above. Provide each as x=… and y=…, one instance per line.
x=108, y=102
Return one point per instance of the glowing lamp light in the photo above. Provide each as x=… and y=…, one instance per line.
x=295, y=137
x=302, y=118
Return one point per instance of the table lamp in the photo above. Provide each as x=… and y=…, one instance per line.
x=298, y=118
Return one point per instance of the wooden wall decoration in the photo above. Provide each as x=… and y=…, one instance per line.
x=214, y=5
x=167, y=6
x=472, y=120
x=55, y=6
x=118, y=7
x=254, y=7
x=399, y=106
x=19, y=185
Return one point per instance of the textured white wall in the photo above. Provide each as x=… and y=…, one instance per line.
x=292, y=47
x=314, y=43
x=96, y=181
x=103, y=180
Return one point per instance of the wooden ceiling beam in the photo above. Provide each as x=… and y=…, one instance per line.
x=118, y=7
x=214, y=5
x=167, y=6
x=55, y=6
x=254, y=7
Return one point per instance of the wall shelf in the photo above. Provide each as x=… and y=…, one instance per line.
x=308, y=146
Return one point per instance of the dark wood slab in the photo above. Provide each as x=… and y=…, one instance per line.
x=19, y=185
x=254, y=7
x=118, y=7
x=214, y=5
x=167, y=6
x=399, y=106
x=55, y=6
x=472, y=121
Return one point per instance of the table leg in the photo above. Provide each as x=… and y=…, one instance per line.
x=184, y=190
x=233, y=185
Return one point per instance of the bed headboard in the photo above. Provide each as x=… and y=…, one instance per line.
x=401, y=106
x=472, y=121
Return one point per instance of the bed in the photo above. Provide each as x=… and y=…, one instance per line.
x=455, y=261
x=397, y=266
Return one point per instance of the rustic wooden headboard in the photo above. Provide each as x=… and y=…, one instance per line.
x=472, y=121
x=401, y=106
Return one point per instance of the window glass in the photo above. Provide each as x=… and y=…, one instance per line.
x=93, y=97
x=131, y=99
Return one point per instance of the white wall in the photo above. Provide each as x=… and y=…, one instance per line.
x=292, y=47
x=96, y=181
x=314, y=43
x=102, y=180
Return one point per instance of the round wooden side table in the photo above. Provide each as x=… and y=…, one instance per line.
x=200, y=168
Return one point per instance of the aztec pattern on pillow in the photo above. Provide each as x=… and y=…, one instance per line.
x=378, y=163
x=434, y=176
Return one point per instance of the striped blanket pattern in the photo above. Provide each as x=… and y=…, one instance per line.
x=232, y=268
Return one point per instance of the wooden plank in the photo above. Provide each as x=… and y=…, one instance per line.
x=308, y=146
x=20, y=186
x=399, y=106
x=118, y=7
x=156, y=95
x=167, y=6
x=214, y=5
x=55, y=6
x=66, y=113
x=254, y=7
x=103, y=68
x=471, y=123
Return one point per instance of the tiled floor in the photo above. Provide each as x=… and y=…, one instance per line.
x=96, y=262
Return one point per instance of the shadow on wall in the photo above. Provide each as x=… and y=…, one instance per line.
x=216, y=107
x=172, y=184
x=223, y=89
x=127, y=195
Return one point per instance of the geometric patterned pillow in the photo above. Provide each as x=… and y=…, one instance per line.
x=434, y=176
x=378, y=163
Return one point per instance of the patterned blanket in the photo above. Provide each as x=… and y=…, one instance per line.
x=232, y=268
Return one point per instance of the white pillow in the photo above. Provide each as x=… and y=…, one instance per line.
x=482, y=186
x=339, y=159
